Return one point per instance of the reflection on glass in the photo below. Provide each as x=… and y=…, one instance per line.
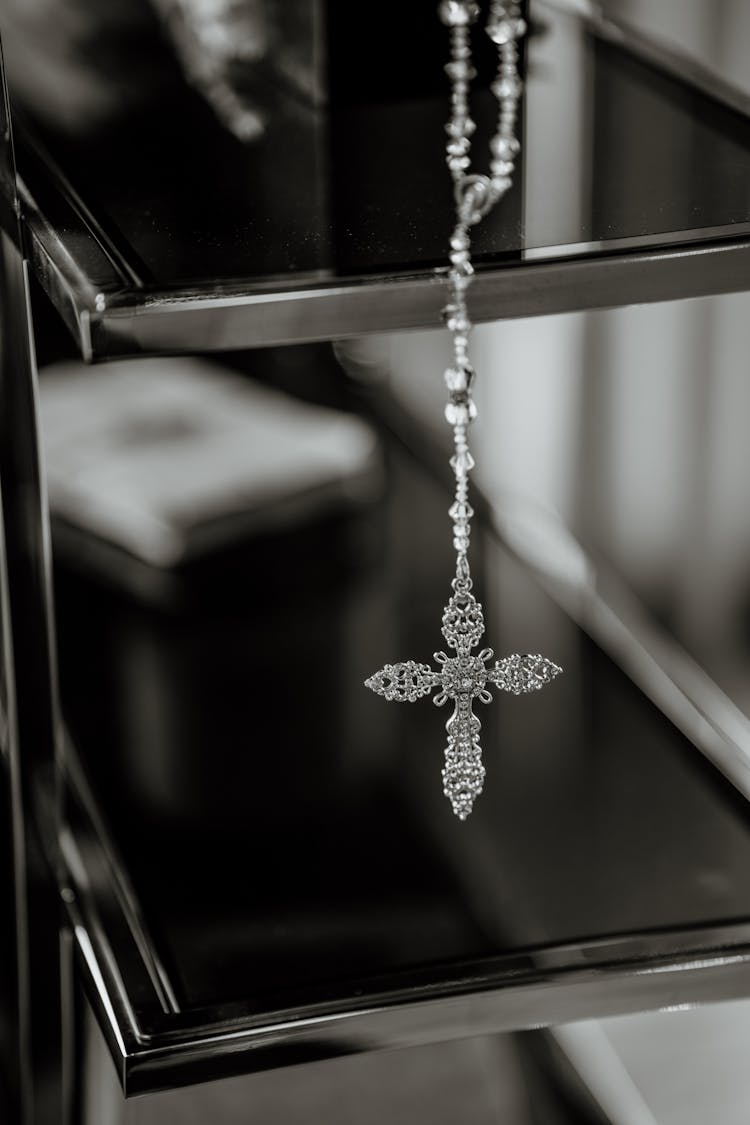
x=617, y=153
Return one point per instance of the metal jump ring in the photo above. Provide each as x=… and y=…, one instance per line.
x=474, y=198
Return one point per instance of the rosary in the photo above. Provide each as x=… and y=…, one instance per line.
x=465, y=677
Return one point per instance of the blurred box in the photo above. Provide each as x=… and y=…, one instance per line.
x=172, y=459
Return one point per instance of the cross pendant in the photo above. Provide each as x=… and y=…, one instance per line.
x=462, y=678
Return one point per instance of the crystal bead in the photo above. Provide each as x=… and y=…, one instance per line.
x=501, y=167
x=455, y=13
x=460, y=511
x=458, y=147
x=462, y=463
x=456, y=413
x=461, y=543
x=460, y=70
x=505, y=148
x=460, y=127
x=461, y=262
x=458, y=323
x=505, y=31
x=458, y=281
x=460, y=413
x=460, y=241
x=507, y=87
x=501, y=183
x=456, y=379
x=458, y=163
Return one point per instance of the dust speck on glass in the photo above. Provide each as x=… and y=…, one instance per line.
x=465, y=677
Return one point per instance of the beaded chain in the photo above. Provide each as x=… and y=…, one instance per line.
x=475, y=196
x=464, y=677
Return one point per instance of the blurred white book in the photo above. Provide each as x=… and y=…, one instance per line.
x=174, y=458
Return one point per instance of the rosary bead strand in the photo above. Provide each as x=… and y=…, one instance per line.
x=465, y=677
x=475, y=195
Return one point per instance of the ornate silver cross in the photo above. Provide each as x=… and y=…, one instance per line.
x=462, y=678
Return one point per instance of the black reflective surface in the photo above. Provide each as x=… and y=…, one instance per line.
x=613, y=149
x=665, y=157
x=285, y=830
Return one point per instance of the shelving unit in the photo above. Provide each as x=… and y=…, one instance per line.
x=255, y=866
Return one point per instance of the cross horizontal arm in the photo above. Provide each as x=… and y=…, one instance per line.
x=518, y=674
x=404, y=682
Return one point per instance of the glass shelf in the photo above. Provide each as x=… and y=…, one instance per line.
x=254, y=884
x=168, y=234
